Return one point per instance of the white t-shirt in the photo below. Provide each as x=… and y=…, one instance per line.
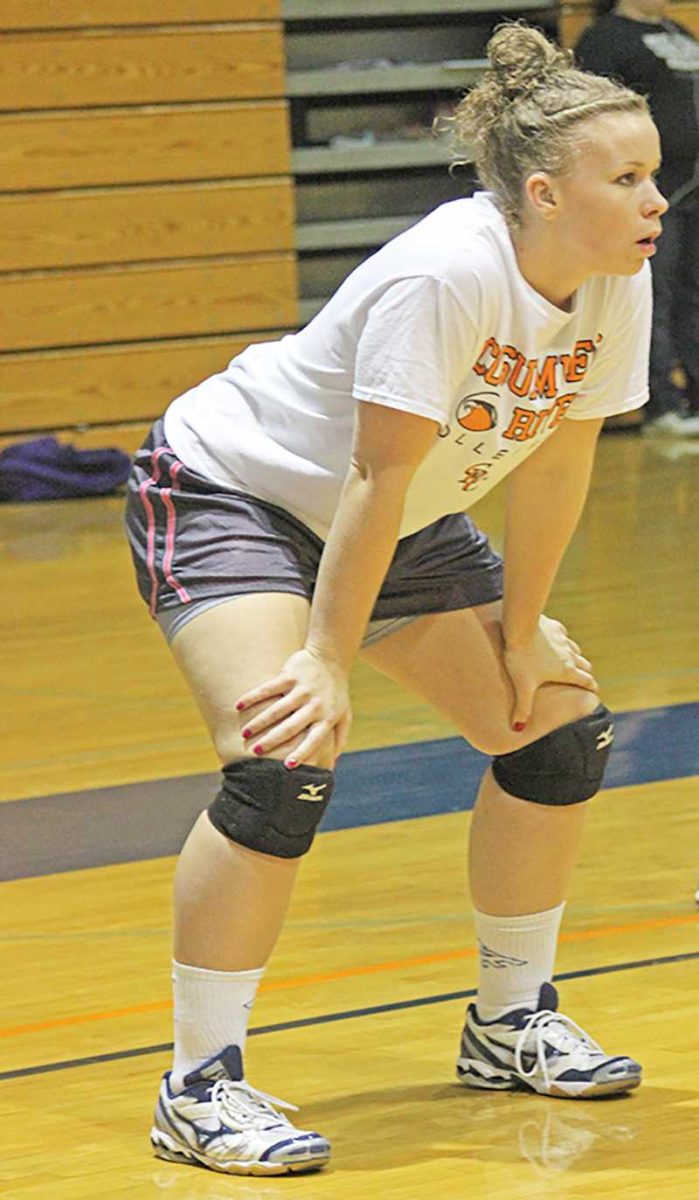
x=441, y=323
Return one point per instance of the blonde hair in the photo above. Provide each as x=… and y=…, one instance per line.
x=524, y=115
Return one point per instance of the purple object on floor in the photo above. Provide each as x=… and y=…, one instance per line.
x=45, y=469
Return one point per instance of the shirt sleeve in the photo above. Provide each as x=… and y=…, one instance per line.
x=618, y=379
x=417, y=345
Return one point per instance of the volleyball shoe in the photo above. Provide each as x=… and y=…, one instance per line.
x=220, y=1121
x=542, y=1052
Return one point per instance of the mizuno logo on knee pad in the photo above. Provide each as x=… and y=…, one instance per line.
x=312, y=792
x=605, y=738
x=268, y=808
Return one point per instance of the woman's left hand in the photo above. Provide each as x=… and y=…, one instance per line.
x=309, y=698
x=551, y=657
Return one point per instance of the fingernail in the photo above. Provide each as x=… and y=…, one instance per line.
x=519, y=726
x=291, y=763
x=257, y=750
x=239, y=706
x=246, y=733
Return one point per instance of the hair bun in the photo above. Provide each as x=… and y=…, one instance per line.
x=522, y=59
x=523, y=115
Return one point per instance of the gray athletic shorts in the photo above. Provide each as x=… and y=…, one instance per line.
x=196, y=544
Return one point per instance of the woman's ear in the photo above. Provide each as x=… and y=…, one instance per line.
x=541, y=195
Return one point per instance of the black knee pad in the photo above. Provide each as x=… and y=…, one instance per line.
x=266, y=807
x=565, y=766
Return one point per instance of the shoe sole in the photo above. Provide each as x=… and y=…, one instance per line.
x=165, y=1147
x=480, y=1076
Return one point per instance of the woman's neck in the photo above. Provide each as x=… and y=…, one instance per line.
x=539, y=259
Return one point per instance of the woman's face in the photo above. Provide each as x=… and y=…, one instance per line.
x=609, y=207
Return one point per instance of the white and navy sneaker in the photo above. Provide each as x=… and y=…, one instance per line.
x=219, y=1121
x=540, y=1051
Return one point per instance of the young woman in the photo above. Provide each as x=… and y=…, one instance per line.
x=306, y=505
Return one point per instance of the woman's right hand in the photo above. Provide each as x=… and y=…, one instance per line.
x=309, y=698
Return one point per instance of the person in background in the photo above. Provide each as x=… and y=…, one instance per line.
x=634, y=42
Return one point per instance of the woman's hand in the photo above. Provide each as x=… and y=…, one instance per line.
x=310, y=697
x=551, y=657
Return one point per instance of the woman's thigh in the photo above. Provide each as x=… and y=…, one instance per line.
x=235, y=646
x=454, y=661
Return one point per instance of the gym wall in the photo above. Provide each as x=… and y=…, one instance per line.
x=146, y=206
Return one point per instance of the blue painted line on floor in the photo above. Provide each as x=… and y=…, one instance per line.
x=77, y=830
x=348, y=1015
x=442, y=776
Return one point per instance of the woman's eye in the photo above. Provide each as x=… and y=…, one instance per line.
x=629, y=178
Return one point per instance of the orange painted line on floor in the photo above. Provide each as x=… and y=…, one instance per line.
x=111, y=1014
x=401, y=964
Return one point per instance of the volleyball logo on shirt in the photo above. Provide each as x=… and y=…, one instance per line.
x=532, y=382
x=475, y=414
x=473, y=476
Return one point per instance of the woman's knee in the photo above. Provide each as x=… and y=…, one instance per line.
x=564, y=766
x=555, y=705
x=225, y=730
x=269, y=808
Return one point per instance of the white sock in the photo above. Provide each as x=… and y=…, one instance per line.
x=516, y=956
x=212, y=1010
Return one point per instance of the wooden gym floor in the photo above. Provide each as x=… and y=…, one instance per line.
x=104, y=762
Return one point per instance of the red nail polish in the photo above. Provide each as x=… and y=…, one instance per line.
x=257, y=750
x=291, y=763
x=239, y=706
x=245, y=733
x=519, y=726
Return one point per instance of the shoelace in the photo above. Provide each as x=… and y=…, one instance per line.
x=568, y=1038
x=240, y=1102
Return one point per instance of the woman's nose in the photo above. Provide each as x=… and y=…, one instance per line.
x=656, y=202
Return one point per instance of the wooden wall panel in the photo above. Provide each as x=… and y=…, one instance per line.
x=51, y=388
x=572, y=21
x=127, y=436
x=687, y=14
x=88, y=307
x=146, y=205
x=140, y=146
x=80, y=228
x=65, y=70
x=66, y=14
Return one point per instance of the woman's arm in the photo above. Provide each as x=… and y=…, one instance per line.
x=545, y=497
x=388, y=447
